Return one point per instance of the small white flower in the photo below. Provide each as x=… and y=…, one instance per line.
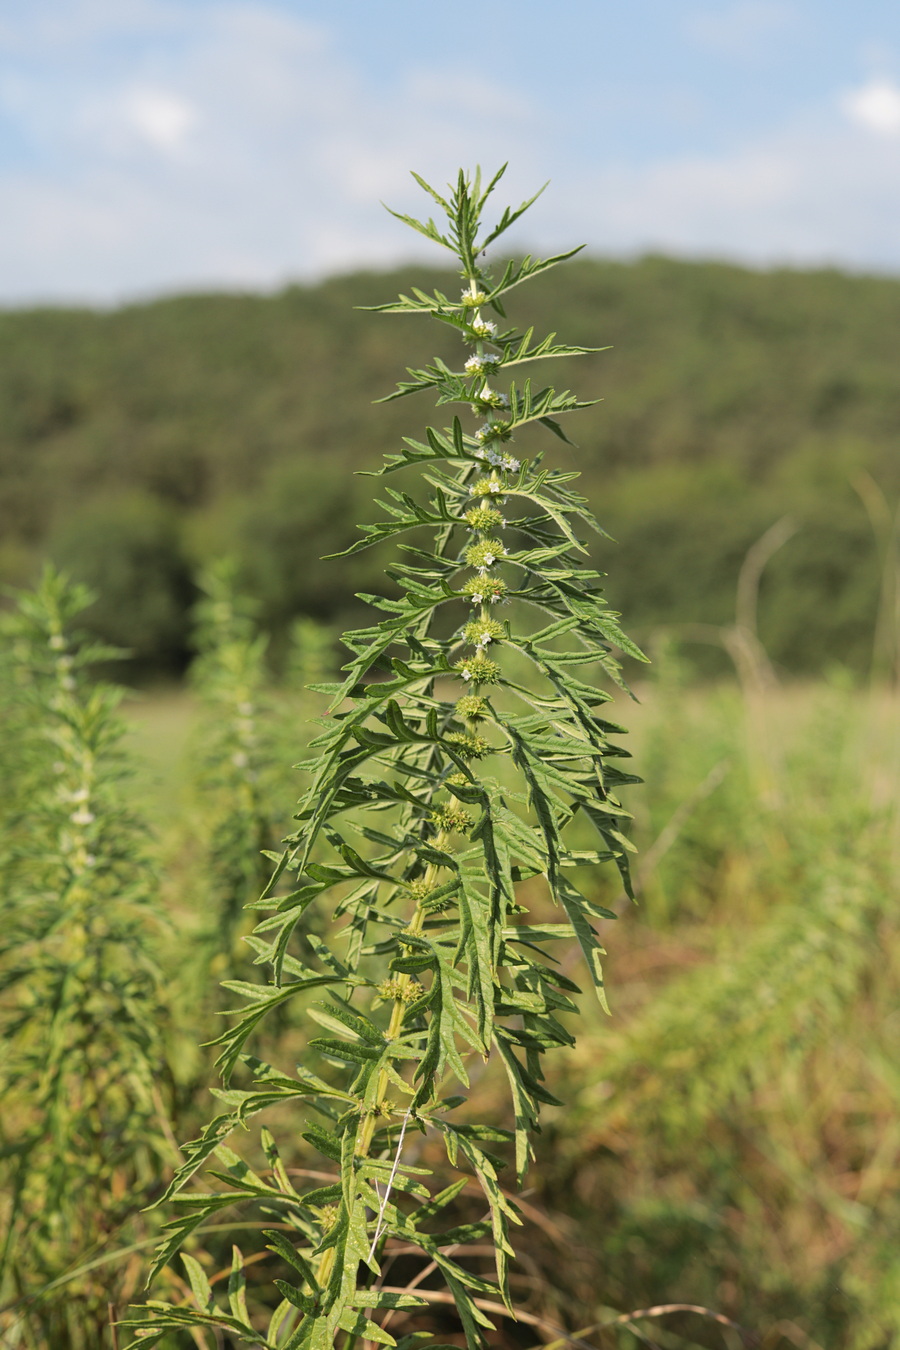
x=510, y=463
x=480, y=364
x=477, y=599
x=483, y=328
x=494, y=397
x=483, y=432
x=489, y=559
x=466, y=673
x=496, y=487
x=82, y=817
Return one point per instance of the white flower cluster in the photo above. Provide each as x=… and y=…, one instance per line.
x=483, y=328
x=480, y=365
x=498, y=459
x=502, y=461
x=493, y=398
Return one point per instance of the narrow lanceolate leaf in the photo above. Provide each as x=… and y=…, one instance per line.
x=237, y=1287
x=475, y=946
x=440, y=794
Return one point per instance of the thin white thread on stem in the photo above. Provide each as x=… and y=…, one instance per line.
x=379, y=1222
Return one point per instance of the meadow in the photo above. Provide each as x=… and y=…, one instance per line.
x=729, y=1137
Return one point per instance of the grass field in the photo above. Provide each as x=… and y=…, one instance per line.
x=729, y=1136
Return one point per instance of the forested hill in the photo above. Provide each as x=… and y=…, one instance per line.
x=136, y=443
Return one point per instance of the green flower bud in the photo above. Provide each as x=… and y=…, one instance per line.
x=483, y=631
x=420, y=890
x=484, y=518
x=472, y=707
x=451, y=819
x=396, y=991
x=479, y=669
x=488, y=487
x=327, y=1216
x=485, y=553
x=484, y=590
x=467, y=745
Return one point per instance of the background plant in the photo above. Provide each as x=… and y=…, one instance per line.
x=438, y=785
x=83, y=1068
x=234, y=754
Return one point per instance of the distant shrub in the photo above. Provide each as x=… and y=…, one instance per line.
x=127, y=549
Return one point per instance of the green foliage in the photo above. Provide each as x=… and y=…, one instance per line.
x=438, y=786
x=733, y=1142
x=83, y=1123
x=731, y=399
x=127, y=550
x=311, y=658
x=235, y=756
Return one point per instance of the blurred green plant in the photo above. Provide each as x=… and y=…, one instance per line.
x=127, y=551
x=311, y=653
x=734, y=1142
x=431, y=963
x=235, y=754
x=83, y=1140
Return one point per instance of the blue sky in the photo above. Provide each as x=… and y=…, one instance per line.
x=152, y=146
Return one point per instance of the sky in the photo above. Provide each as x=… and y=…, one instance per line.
x=159, y=146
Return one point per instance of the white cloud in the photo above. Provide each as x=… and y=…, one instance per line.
x=808, y=195
x=244, y=153
x=876, y=107
x=232, y=144
x=161, y=117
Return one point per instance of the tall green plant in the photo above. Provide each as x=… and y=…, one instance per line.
x=82, y=1140
x=438, y=788
x=235, y=756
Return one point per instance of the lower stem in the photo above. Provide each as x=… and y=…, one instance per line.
x=366, y=1130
